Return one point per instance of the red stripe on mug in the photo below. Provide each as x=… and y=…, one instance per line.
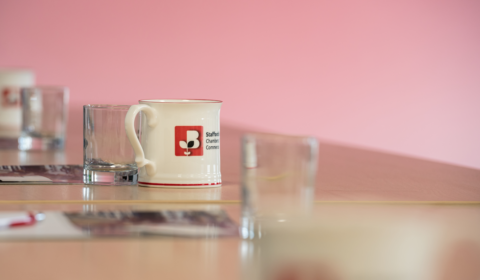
x=159, y=184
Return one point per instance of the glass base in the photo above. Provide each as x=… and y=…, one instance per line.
x=29, y=143
x=110, y=178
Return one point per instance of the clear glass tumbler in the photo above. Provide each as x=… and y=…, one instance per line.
x=44, y=118
x=11, y=80
x=109, y=158
x=278, y=180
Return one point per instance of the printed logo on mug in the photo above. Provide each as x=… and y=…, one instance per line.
x=188, y=141
x=180, y=142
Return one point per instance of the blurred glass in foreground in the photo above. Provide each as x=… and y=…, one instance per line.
x=350, y=242
x=44, y=118
x=278, y=180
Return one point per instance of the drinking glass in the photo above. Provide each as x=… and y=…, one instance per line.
x=109, y=158
x=332, y=246
x=278, y=180
x=11, y=80
x=44, y=118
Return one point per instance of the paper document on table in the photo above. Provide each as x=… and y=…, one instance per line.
x=182, y=223
x=47, y=225
x=24, y=179
x=41, y=174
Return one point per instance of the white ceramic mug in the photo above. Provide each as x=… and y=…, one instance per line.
x=180, y=142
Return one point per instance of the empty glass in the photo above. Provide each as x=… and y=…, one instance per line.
x=11, y=80
x=108, y=156
x=278, y=179
x=44, y=118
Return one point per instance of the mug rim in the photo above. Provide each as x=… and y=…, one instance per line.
x=180, y=100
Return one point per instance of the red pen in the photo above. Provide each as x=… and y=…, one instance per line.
x=9, y=220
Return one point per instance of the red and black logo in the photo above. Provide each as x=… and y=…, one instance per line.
x=188, y=141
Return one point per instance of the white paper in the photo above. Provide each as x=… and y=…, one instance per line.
x=24, y=179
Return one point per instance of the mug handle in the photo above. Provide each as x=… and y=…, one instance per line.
x=130, y=130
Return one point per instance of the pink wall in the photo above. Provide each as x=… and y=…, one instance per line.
x=401, y=76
